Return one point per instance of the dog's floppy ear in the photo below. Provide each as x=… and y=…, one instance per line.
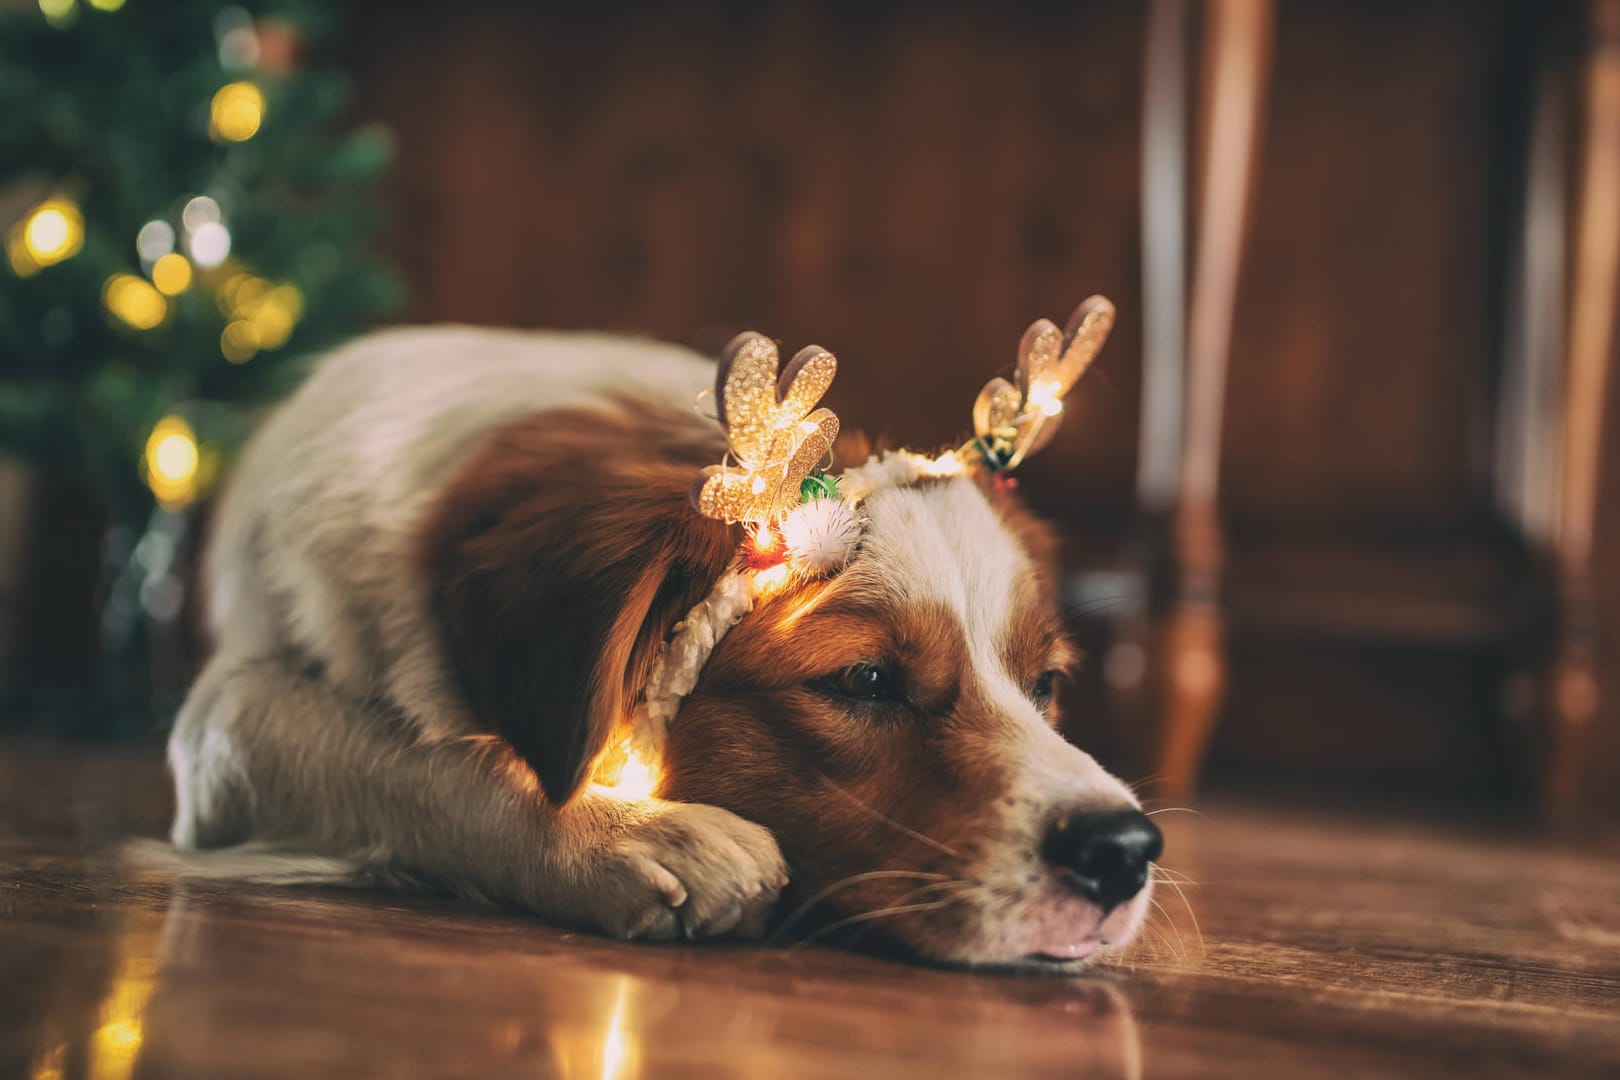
x=559, y=556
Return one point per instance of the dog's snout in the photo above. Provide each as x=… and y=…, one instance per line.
x=1103, y=855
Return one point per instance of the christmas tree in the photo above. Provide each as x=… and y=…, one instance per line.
x=181, y=221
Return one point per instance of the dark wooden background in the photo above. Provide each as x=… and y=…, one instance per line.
x=911, y=184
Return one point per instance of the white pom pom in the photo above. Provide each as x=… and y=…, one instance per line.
x=821, y=535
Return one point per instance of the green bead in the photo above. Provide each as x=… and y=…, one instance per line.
x=818, y=486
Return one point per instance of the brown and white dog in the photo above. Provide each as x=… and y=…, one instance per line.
x=435, y=584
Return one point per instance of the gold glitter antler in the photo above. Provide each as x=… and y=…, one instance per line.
x=775, y=437
x=1012, y=420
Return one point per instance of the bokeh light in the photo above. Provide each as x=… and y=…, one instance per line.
x=135, y=301
x=262, y=315
x=106, y=5
x=239, y=341
x=210, y=243
x=199, y=211
x=171, y=274
x=59, y=13
x=155, y=240
x=46, y=235
x=172, y=462
x=236, y=112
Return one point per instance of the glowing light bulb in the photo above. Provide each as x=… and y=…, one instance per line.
x=52, y=231
x=172, y=462
x=625, y=773
x=171, y=274
x=944, y=465
x=769, y=581
x=1046, y=398
x=236, y=112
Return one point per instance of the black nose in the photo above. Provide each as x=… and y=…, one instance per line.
x=1103, y=855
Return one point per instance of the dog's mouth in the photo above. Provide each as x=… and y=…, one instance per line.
x=1071, y=953
x=1054, y=934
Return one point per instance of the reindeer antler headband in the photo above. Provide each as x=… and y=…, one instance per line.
x=801, y=520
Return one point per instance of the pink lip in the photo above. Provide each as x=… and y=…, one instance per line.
x=1077, y=950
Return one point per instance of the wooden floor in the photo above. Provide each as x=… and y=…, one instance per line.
x=1329, y=949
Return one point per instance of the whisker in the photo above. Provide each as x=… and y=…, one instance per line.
x=1163, y=942
x=1138, y=785
x=880, y=913
x=1163, y=873
x=1190, y=913
x=853, y=879
x=1181, y=942
x=1175, y=810
x=889, y=821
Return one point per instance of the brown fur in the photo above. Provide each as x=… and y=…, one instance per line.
x=564, y=550
x=847, y=791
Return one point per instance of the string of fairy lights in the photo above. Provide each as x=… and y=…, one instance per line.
x=192, y=251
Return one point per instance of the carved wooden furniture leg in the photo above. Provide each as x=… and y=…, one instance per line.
x=1236, y=65
x=1131, y=630
x=1530, y=412
x=1596, y=274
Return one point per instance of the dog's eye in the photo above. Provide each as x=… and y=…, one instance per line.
x=864, y=682
x=1045, y=687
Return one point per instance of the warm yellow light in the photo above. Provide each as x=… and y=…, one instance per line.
x=267, y=315
x=115, y=1044
x=625, y=773
x=242, y=292
x=1046, y=398
x=106, y=5
x=171, y=462
x=48, y=1063
x=135, y=301
x=172, y=274
x=52, y=231
x=768, y=581
x=236, y=112
x=274, y=315
x=58, y=12
x=239, y=341
x=764, y=537
x=944, y=465
x=175, y=459
x=619, y=1057
x=22, y=263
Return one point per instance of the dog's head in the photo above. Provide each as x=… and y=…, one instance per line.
x=895, y=726
x=892, y=722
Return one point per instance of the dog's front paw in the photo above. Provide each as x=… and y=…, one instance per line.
x=688, y=870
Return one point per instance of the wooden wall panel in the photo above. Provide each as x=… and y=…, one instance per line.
x=908, y=187
x=1365, y=334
